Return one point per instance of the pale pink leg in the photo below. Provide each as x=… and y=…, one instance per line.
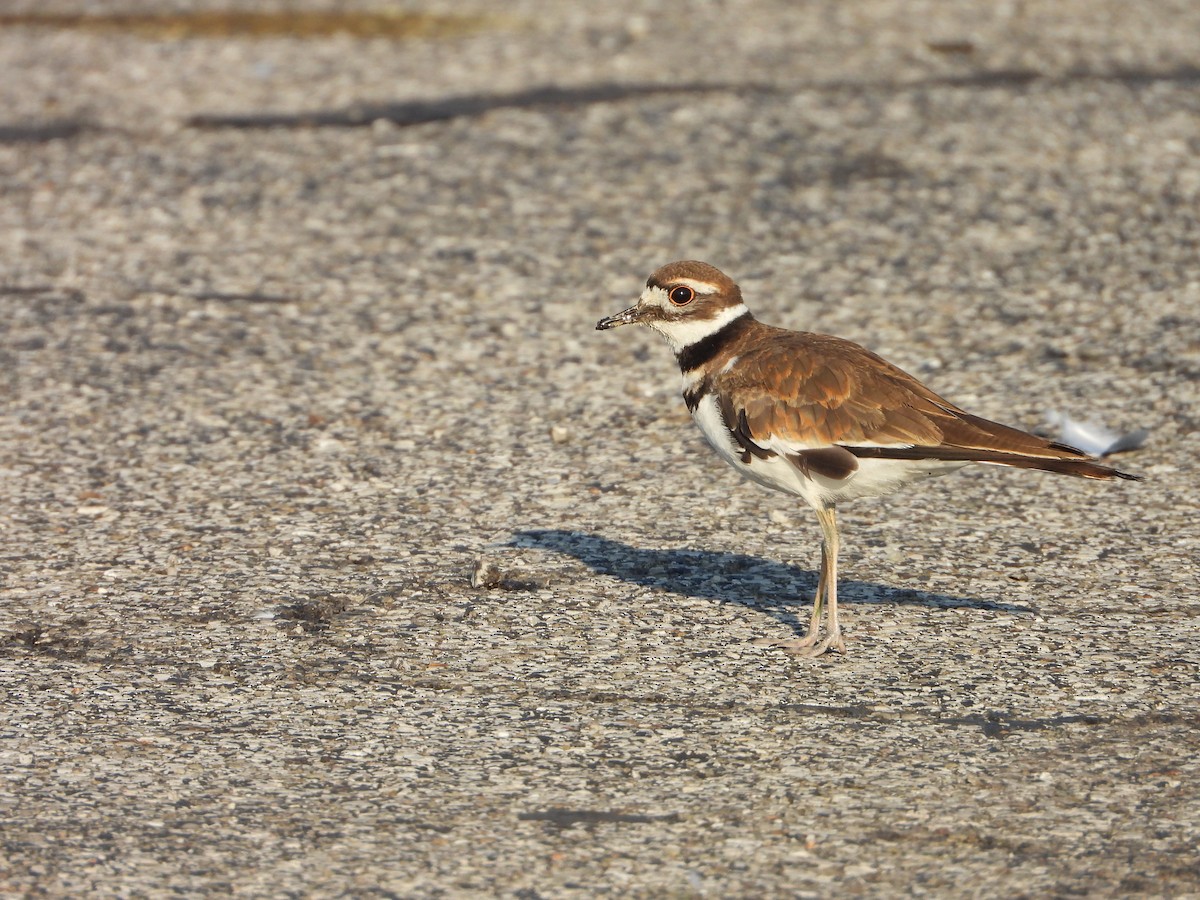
x=826, y=596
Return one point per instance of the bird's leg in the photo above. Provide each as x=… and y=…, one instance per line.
x=827, y=587
x=825, y=581
x=814, y=623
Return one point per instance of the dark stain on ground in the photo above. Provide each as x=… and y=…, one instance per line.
x=313, y=614
x=41, y=132
x=51, y=641
x=997, y=724
x=419, y=112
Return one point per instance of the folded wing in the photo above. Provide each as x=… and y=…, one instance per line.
x=824, y=403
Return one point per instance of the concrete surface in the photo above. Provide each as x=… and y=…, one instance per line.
x=273, y=395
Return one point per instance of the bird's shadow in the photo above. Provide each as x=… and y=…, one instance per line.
x=774, y=587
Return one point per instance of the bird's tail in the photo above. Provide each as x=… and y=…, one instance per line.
x=969, y=438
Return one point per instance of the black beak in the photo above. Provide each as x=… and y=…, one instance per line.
x=625, y=317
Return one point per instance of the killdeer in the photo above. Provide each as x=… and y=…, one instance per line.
x=818, y=416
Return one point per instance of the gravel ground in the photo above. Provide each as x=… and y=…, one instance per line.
x=339, y=555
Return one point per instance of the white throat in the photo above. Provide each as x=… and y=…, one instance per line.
x=682, y=333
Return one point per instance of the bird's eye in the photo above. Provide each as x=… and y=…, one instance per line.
x=681, y=295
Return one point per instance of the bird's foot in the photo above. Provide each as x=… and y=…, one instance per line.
x=808, y=646
x=832, y=642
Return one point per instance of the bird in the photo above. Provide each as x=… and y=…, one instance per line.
x=819, y=417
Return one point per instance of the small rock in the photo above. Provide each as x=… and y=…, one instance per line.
x=560, y=434
x=485, y=575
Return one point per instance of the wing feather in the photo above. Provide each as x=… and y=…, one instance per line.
x=796, y=392
x=801, y=391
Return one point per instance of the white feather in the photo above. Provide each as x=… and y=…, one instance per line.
x=684, y=332
x=1094, y=437
x=872, y=477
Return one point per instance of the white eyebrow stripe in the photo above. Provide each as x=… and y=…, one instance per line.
x=703, y=288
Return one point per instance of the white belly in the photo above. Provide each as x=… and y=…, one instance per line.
x=872, y=478
x=774, y=472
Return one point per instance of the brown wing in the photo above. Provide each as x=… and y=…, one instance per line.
x=795, y=391
x=812, y=390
